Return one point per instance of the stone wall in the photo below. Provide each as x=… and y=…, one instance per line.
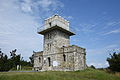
x=38, y=60
x=56, y=20
x=73, y=60
x=54, y=40
x=57, y=53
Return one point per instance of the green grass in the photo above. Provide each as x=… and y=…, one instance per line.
x=88, y=74
x=24, y=68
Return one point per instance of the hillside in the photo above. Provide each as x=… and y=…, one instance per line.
x=88, y=74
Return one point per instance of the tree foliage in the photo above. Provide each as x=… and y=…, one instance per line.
x=31, y=59
x=15, y=59
x=92, y=66
x=114, y=62
x=3, y=62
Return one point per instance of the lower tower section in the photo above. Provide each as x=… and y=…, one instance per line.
x=71, y=58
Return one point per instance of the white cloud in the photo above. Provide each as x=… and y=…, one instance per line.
x=34, y=6
x=97, y=51
x=99, y=64
x=99, y=25
x=68, y=17
x=113, y=32
x=97, y=56
x=112, y=23
x=111, y=46
x=18, y=29
x=87, y=27
x=26, y=7
x=103, y=50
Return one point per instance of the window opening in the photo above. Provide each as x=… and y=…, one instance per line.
x=50, y=24
x=49, y=61
x=64, y=57
x=39, y=59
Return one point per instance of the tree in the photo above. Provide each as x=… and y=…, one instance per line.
x=114, y=62
x=4, y=62
x=32, y=60
x=7, y=64
x=92, y=66
x=15, y=59
x=13, y=53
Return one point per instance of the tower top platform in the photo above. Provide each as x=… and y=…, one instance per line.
x=55, y=22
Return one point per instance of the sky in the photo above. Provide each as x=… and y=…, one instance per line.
x=96, y=24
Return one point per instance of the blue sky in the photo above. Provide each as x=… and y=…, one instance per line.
x=95, y=22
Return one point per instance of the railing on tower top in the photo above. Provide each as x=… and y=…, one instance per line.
x=42, y=28
x=61, y=23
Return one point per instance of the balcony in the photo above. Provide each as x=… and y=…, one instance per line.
x=43, y=29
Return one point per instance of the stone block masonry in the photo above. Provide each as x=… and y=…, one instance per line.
x=58, y=54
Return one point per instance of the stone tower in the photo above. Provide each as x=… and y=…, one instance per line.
x=57, y=53
x=56, y=34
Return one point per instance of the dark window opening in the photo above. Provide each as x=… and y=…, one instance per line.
x=64, y=57
x=49, y=61
x=50, y=47
x=47, y=46
x=50, y=23
x=39, y=59
x=49, y=36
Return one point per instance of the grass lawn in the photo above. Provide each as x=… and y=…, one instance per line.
x=88, y=74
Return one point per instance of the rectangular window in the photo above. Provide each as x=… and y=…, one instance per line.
x=49, y=36
x=49, y=62
x=49, y=45
x=64, y=57
x=50, y=24
x=39, y=60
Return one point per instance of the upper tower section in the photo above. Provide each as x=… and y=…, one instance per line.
x=55, y=22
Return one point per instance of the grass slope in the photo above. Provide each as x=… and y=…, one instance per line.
x=88, y=74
